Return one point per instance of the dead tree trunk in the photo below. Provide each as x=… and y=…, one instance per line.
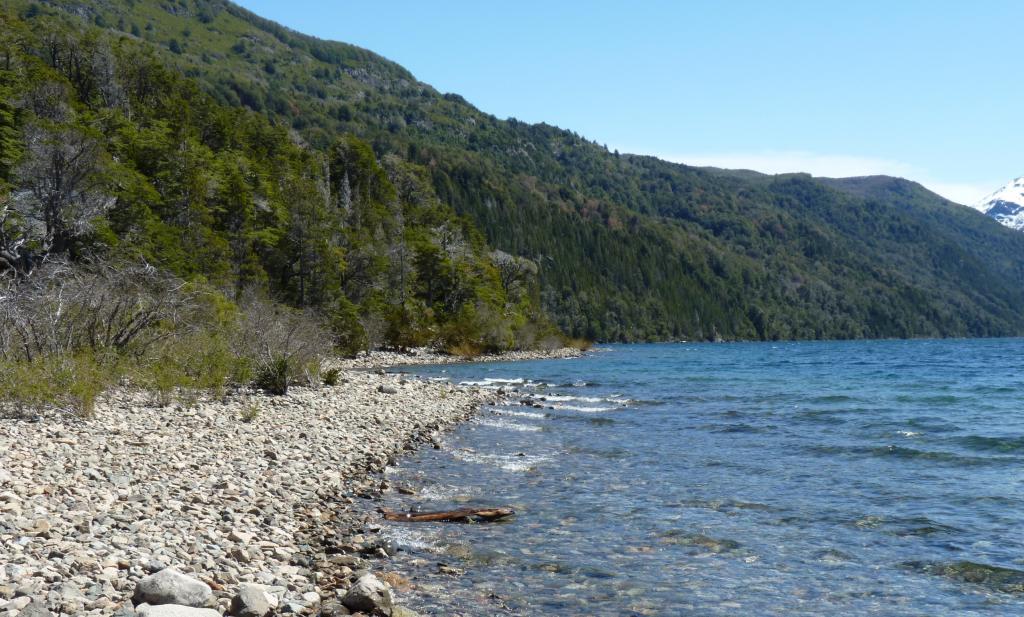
x=461, y=515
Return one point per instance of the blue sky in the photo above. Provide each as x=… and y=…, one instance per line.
x=931, y=91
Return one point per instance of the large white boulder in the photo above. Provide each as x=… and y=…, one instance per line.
x=168, y=586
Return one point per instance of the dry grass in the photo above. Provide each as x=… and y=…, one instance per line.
x=464, y=350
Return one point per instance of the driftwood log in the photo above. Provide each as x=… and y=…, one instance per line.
x=461, y=515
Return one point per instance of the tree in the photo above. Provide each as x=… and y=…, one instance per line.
x=59, y=192
x=10, y=144
x=515, y=273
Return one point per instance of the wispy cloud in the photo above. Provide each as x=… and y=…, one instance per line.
x=832, y=166
x=969, y=194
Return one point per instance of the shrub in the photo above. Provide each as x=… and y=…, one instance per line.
x=68, y=332
x=25, y=387
x=272, y=377
x=285, y=346
x=64, y=309
x=162, y=377
x=349, y=334
x=465, y=349
x=478, y=329
x=581, y=344
x=87, y=379
x=331, y=376
x=250, y=411
x=71, y=383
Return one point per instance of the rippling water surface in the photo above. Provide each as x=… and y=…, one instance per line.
x=798, y=478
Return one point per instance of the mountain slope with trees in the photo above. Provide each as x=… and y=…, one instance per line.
x=624, y=247
x=151, y=232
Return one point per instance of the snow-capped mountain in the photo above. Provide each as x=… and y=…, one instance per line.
x=1006, y=205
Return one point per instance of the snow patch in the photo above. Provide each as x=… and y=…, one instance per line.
x=1006, y=205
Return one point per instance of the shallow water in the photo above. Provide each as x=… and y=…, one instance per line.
x=801, y=478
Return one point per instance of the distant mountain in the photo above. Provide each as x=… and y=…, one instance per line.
x=1006, y=205
x=625, y=247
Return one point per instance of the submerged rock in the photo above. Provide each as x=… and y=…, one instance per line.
x=443, y=568
x=1006, y=580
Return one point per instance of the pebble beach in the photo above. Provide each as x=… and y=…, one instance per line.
x=242, y=505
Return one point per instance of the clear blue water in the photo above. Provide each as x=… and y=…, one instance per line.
x=849, y=478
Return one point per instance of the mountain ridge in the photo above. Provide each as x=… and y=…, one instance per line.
x=628, y=247
x=1006, y=204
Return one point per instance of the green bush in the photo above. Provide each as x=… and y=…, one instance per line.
x=478, y=329
x=272, y=377
x=87, y=381
x=24, y=387
x=581, y=344
x=331, y=376
x=68, y=383
x=162, y=377
x=250, y=412
x=349, y=335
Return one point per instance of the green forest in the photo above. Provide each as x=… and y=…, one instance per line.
x=626, y=247
x=256, y=170
x=144, y=221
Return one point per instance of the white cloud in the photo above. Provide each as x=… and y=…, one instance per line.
x=832, y=166
x=967, y=194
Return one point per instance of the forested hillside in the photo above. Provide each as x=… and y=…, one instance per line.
x=624, y=247
x=111, y=153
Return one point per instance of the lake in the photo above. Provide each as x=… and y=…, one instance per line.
x=855, y=478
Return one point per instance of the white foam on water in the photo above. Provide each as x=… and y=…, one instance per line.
x=566, y=397
x=494, y=381
x=415, y=539
x=441, y=492
x=508, y=424
x=909, y=434
x=506, y=462
x=583, y=409
x=533, y=415
x=535, y=384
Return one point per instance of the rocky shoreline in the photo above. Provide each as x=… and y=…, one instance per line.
x=425, y=355
x=250, y=505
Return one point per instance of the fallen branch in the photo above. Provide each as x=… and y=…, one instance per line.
x=461, y=515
